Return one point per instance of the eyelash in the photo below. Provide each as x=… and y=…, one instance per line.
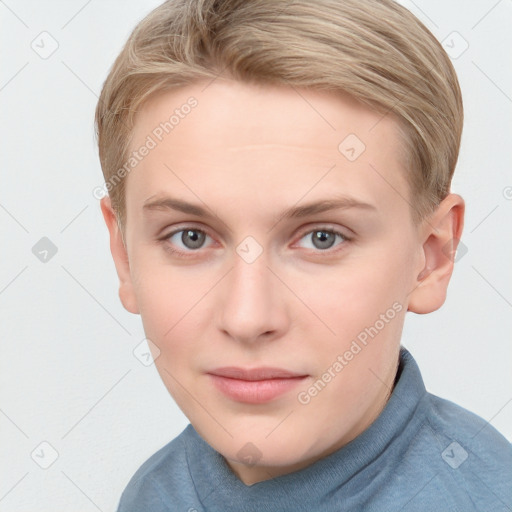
x=190, y=253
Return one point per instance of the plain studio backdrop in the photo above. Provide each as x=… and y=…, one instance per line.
x=79, y=408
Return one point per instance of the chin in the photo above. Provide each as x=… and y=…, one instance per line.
x=283, y=449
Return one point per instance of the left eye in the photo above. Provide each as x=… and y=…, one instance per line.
x=322, y=239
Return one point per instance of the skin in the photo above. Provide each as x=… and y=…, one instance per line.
x=246, y=153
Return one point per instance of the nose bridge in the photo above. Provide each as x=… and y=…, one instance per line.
x=250, y=305
x=250, y=285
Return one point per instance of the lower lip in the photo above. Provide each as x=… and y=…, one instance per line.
x=255, y=391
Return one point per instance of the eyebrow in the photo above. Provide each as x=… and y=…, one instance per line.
x=343, y=202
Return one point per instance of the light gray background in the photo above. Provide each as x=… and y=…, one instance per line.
x=68, y=373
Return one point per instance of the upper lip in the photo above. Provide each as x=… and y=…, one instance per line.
x=263, y=373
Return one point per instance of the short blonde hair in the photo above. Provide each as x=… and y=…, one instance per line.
x=375, y=50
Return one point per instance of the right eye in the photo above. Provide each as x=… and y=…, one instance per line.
x=187, y=240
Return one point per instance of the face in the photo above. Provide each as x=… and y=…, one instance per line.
x=271, y=255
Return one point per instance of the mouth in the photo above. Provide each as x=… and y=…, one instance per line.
x=256, y=385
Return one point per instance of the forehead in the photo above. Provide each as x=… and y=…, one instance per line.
x=263, y=114
x=282, y=142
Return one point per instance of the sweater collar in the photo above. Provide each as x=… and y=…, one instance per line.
x=219, y=488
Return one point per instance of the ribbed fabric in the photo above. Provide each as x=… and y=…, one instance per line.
x=421, y=454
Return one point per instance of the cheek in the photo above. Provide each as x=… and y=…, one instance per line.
x=162, y=294
x=172, y=302
x=351, y=295
x=167, y=310
x=360, y=299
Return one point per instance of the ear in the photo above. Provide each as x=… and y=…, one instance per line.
x=120, y=256
x=441, y=236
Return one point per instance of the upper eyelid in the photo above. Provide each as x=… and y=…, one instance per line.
x=306, y=230
x=325, y=227
x=185, y=228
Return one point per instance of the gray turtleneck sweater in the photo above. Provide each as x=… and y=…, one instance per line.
x=422, y=453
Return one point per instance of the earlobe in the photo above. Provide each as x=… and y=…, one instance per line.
x=443, y=232
x=120, y=256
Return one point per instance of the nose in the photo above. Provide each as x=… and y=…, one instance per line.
x=252, y=304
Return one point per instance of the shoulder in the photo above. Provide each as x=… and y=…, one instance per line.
x=162, y=483
x=443, y=457
x=472, y=457
x=450, y=420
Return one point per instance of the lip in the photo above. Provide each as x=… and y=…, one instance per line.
x=254, y=385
